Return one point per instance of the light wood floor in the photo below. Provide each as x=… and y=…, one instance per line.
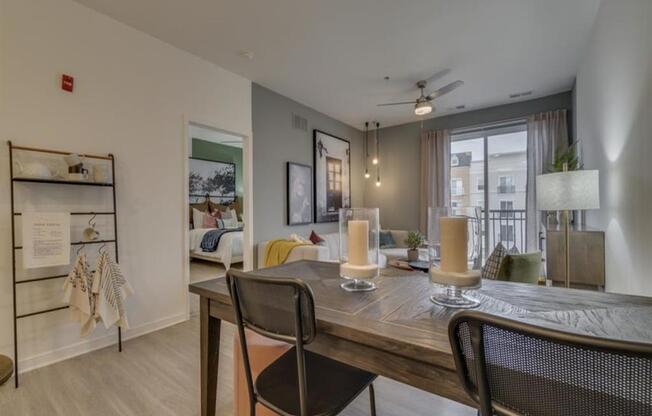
x=158, y=375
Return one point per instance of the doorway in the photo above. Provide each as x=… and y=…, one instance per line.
x=216, y=206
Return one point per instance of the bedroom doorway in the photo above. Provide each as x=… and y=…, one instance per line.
x=214, y=210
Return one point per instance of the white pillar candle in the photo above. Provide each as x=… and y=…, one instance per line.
x=358, y=241
x=454, y=244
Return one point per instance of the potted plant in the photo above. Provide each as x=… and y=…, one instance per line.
x=414, y=240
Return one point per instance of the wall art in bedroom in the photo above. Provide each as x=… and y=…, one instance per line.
x=299, y=194
x=332, y=164
x=216, y=179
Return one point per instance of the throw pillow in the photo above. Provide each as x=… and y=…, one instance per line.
x=386, y=240
x=492, y=266
x=216, y=213
x=230, y=223
x=316, y=239
x=209, y=221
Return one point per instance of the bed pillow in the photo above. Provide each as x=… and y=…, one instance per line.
x=197, y=218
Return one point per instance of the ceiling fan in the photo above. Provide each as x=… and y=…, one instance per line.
x=422, y=105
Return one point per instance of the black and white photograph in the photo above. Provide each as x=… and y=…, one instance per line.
x=299, y=194
x=332, y=160
x=217, y=179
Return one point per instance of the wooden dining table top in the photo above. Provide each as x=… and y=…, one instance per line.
x=398, y=317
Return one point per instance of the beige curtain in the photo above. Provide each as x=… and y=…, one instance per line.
x=547, y=134
x=435, y=173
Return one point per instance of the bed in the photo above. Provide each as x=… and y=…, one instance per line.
x=229, y=249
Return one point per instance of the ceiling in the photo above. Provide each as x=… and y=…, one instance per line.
x=333, y=55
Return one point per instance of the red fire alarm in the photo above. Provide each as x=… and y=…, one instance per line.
x=67, y=82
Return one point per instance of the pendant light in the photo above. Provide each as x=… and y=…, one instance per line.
x=375, y=160
x=377, y=153
x=366, y=150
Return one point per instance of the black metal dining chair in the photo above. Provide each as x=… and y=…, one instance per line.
x=512, y=368
x=300, y=382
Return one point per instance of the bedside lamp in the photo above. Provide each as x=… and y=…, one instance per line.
x=567, y=191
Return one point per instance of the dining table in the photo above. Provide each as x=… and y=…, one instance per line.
x=396, y=332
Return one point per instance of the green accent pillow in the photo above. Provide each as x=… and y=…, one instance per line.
x=522, y=268
x=386, y=240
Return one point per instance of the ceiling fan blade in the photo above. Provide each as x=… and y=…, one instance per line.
x=402, y=103
x=437, y=75
x=445, y=90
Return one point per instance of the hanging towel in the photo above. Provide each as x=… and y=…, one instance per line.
x=110, y=289
x=77, y=294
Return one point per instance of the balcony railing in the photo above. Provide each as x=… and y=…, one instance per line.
x=507, y=227
x=506, y=189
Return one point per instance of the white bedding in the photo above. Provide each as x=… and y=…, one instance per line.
x=229, y=247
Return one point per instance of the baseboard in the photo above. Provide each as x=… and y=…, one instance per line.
x=83, y=347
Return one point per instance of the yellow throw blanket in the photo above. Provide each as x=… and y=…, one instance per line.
x=277, y=251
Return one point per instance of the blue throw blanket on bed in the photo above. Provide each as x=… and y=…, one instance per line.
x=212, y=238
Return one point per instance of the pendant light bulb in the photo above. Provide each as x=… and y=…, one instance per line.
x=367, y=175
x=375, y=161
x=378, y=182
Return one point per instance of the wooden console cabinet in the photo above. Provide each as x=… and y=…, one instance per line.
x=587, y=264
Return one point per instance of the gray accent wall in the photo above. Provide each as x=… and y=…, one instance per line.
x=275, y=142
x=614, y=124
x=398, y=197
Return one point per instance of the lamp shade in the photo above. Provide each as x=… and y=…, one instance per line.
x=579, y=189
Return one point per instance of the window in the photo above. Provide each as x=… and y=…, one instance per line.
x=506, y=209
x=506, y=185
x=455, y=204
x=457, y=187
x=480, y=183
x=507, y=235
x=491, y=161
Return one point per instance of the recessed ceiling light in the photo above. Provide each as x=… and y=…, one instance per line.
x=247, y=54
x=386, y=78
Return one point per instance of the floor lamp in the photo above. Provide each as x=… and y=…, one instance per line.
x=568, y=191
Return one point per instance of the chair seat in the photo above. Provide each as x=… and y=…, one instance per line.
x=6, y=368
x=331, y=385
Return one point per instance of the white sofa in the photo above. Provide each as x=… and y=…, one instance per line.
x=329, y=250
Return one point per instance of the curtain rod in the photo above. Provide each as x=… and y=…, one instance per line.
x=485, y=126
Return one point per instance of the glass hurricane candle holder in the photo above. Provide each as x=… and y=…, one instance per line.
x=359, y=248
x=455, y=254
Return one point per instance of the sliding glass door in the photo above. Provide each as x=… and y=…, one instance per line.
x=489, y=170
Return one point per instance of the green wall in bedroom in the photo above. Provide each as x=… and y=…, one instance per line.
x=203, y=149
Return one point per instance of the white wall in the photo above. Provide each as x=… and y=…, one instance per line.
x=132, y=93
x=614, y=123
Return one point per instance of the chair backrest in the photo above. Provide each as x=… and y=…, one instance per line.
x=272, y=306
x=279, y=308
x=514, y=368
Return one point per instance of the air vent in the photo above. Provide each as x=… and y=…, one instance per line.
x=460, y=107
x=520, y=94
x=299, y=123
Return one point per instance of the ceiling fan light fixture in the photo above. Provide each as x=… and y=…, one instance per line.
x=422, y=108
